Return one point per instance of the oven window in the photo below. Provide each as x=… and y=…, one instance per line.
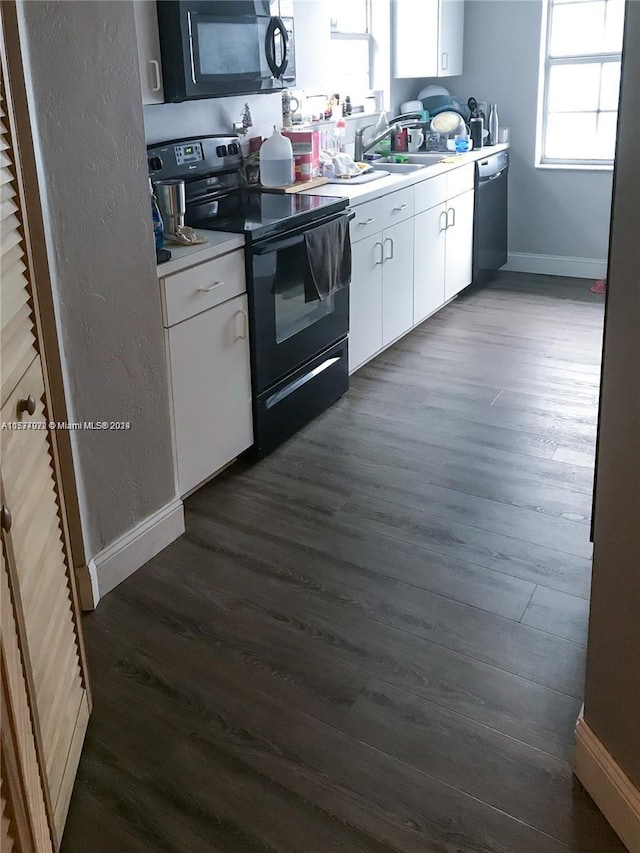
x=292, y=313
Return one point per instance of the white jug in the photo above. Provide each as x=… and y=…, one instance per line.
x=276, y=161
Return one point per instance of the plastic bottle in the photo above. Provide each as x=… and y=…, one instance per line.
x=276, y=161
x=156, y=218
x=339, y=133
x=493, y=124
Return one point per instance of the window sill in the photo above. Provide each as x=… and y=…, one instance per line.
x=575, y=167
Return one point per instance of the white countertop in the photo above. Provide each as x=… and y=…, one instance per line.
x=359, y=193
x=218, y=243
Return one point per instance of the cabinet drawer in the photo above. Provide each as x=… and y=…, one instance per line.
x=460, y=180
x=367, y=220
x=396, y=207
x=431, y=192
x=203, y=286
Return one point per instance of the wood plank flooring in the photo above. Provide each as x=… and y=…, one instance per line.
x=374, y=639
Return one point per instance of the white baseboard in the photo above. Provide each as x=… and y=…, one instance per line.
x=136, y=547
x=87, y=585
x=557, y=265
x=610, y=788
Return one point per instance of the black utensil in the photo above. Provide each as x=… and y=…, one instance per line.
x=473, y=106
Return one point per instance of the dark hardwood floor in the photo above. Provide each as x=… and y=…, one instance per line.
x=374, y=639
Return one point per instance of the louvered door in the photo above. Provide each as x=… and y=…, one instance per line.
x=46, y=696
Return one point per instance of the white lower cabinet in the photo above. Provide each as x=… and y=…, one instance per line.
x=412, y=251
x=207, y=342
x=429, y=262
x=381, y=291
x=211, y=389
x=459, y=244
x=397, y=281
x=365, y=300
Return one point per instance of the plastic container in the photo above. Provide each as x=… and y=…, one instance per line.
x=276, y=161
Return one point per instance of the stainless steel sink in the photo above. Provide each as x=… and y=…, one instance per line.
x=420, y=159
x=428, y=158
x=382, y=172
x=398, y=168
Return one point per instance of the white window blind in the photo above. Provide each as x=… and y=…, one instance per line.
x=580, y=81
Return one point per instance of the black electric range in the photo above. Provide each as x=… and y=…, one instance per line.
x=299, y=348
x=259, y=214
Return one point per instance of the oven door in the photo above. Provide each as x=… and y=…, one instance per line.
x=286, y=330
x=223, y=47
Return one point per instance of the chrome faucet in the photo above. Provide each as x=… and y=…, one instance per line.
x=395, y=126
x=360, y=147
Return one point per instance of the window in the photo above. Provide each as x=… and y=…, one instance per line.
x=580, y=79
x=350, y=61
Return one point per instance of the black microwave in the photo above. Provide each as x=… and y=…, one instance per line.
x=211, y=48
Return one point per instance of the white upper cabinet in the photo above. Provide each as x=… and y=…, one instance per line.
x=146, y=19
x=312, y=39
x=428, y=38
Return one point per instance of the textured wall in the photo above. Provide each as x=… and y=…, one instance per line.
x=612, y=697
x=81, y=60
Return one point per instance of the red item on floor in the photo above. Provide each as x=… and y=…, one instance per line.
x=600, y=286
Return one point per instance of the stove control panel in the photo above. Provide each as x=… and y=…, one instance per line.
x=188, y=153
x=194, y=158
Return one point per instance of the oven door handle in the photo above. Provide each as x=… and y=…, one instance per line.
x=288, y=242
x=278, y=245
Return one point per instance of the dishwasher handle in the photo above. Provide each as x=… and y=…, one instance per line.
x=492, y=177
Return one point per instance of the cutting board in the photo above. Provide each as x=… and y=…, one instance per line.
x=297, y=187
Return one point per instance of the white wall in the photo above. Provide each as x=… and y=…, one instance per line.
x=551, y=212
x=212, y=115
x=85, y=105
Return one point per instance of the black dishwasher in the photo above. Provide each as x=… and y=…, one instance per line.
x=490, y=215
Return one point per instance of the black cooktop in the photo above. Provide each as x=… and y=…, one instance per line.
x=259, y=214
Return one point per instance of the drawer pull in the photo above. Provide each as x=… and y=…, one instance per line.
x=451, y=211
x=402, y=207
x=446, y=221
x=211, y=287
x=375, y=246
x=389, y=257
x=367, y=221
x=28, y=406
x=6, y=518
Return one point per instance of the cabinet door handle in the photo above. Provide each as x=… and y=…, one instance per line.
x=156, y=73
x=375, y=246
x=367, y=221
x=5, y=516
x=451, y=211
x=446, y=220
x=211, y=287
x=242, y=328
x=402, y=207
x=390, y=256
x=27, y=405
x=445, y=61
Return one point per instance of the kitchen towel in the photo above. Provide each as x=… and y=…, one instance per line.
x=328, y=249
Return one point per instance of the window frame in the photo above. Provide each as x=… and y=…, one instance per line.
x=340, y=35
x=546, y=63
